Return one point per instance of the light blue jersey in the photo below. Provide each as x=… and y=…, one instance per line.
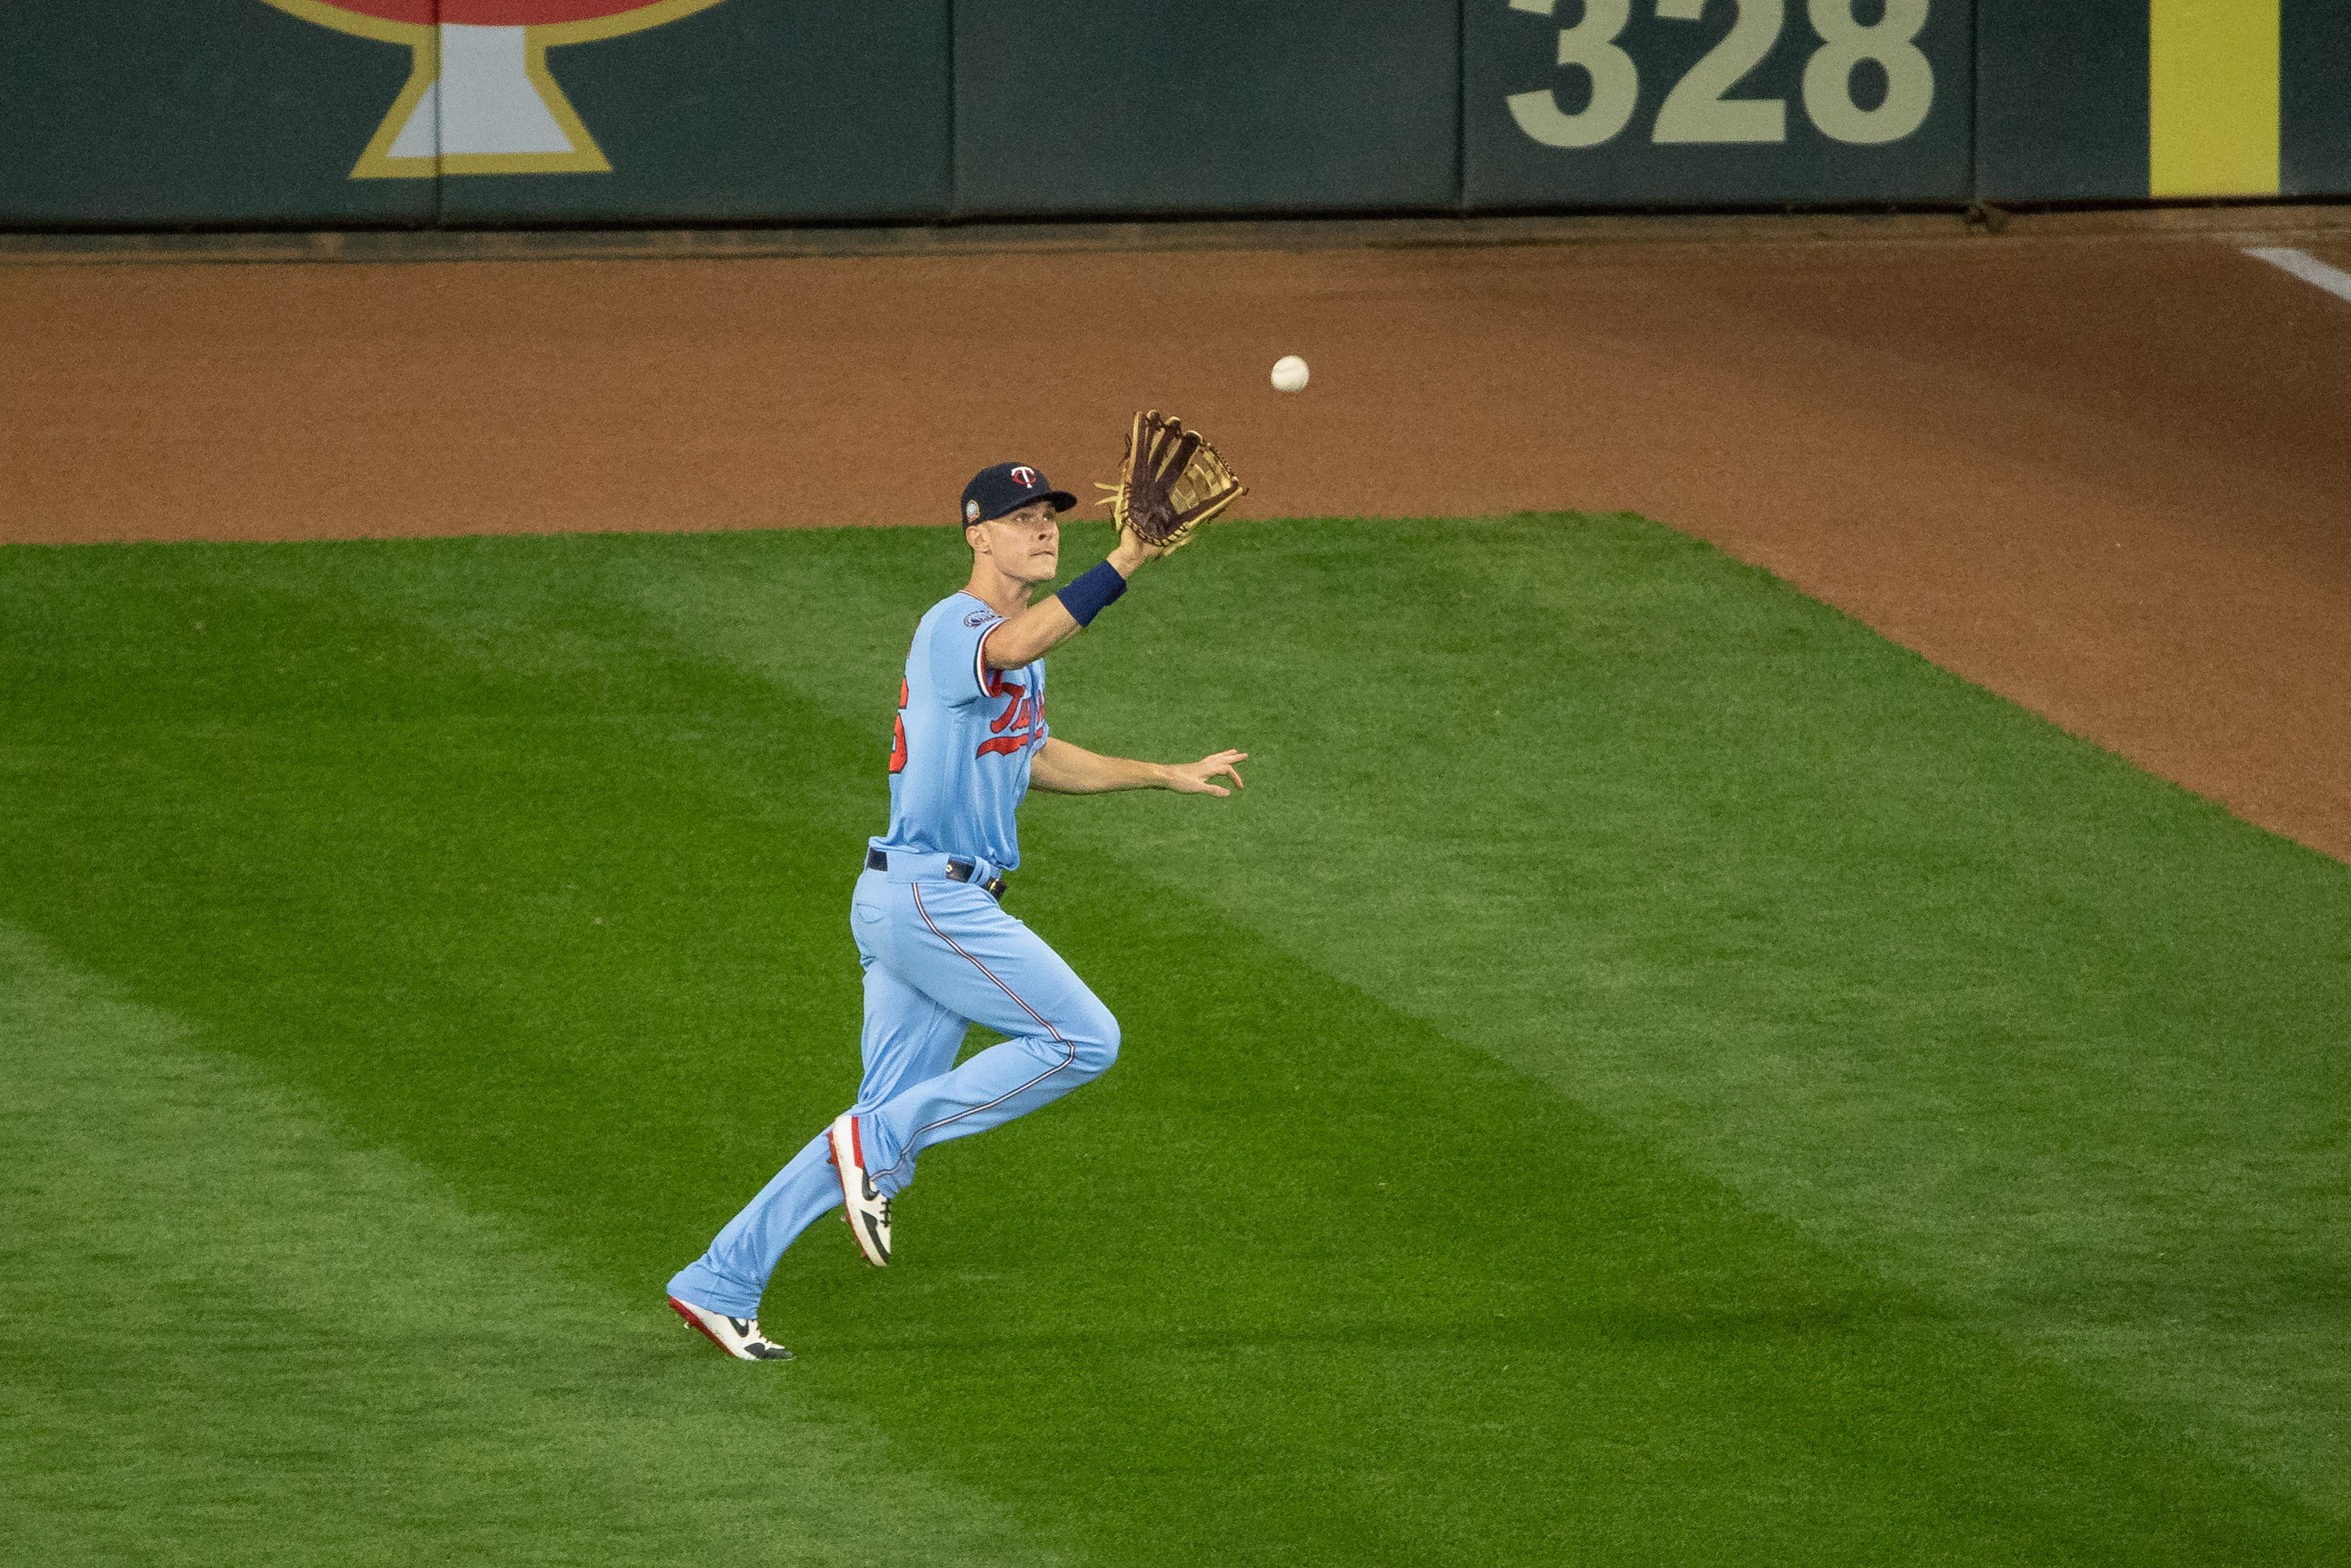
x=938, y=953
x=966, y=734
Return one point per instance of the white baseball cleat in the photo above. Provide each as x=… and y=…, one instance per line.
x=867, y=1211
x=739, y=1337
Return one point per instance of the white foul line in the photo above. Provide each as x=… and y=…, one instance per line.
x=2306, y=266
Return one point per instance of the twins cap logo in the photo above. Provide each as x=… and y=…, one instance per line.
x=971, y=511
x=1024, y=476
x=479, y=98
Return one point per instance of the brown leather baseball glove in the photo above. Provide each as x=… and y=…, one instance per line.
x=1170, y=482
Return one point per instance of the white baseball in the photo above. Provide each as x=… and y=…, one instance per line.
x=1289, y=373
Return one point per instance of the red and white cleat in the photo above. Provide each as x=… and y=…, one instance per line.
x=739, y=1337
x=867, y=1211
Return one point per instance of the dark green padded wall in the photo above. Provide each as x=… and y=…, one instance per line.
x=158, y=113
x=2315, y=99
x=754, y=110
x=125, y=112
x=1214, y=106
x=2063, y=113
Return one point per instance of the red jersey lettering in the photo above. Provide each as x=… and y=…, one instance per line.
x=1014, y=727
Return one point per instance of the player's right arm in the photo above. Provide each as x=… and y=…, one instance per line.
x=1022, y=638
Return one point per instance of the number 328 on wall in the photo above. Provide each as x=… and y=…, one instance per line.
x=1696, y=110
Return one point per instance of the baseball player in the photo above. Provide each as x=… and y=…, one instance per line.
x=938, y=947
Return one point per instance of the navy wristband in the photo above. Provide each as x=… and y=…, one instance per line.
x=1085, y=597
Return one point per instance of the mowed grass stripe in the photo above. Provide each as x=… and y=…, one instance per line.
x=236, y=1335
x=1389, y=1300
x=1971, y=1000
x=383, y=881
x=1976, y=1003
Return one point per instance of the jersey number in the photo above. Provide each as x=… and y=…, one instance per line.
x=898, y=733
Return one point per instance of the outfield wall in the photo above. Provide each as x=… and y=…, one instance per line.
x=131, y=113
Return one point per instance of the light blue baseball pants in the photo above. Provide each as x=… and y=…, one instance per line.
x=938, y=956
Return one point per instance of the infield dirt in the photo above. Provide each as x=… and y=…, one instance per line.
x=2102, y=474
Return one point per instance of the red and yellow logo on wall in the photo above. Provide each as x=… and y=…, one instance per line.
x=479, y=98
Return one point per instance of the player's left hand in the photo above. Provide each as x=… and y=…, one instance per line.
x=1192, y=778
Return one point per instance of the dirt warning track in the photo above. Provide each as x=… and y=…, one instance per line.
x=2104, y=475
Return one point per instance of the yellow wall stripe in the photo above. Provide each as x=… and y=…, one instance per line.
x=2212, y=97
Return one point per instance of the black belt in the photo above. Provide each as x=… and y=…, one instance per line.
x=958, y=871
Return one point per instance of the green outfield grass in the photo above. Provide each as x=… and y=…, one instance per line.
x=1647, y=1073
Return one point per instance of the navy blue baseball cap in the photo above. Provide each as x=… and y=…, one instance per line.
x=1007, y=487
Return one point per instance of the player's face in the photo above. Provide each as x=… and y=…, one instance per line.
x=1025, y=545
